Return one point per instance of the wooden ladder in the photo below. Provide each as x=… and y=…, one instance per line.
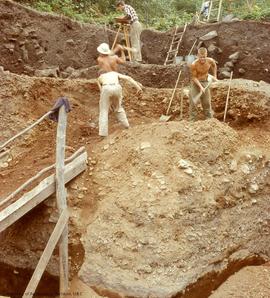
x=125, y=29
x=214, y=14
x=174, y=47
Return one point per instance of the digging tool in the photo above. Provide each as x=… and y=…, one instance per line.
x=190, y=58
x=197, y=97
x=166, y=117
x=227, y=98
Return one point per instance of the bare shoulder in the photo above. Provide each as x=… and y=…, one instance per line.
x=193, y=65
x=211, y=60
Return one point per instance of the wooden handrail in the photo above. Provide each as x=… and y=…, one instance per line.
x=25, y=130
x=39, y=174
x=41, y=192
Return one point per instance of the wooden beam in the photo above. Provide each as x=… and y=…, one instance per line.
x=60, y=160
x=61, y=197
x=46, y=255
x=227, y=97
x=38, y=175
x=41, y=192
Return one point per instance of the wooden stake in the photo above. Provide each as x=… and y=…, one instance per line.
x=176, y=84
x=228, y=96
x=46, y=255
x=61, y=198
x=181, y=102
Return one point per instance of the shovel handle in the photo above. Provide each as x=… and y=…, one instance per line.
x=227, y=98
x=176, y=84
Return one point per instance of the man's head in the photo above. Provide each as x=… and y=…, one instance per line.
x=120, y=5
x=104, y=49
x=202, y=54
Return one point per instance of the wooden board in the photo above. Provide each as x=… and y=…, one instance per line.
x=41, y=192
x=46, y=255
x=61, y=196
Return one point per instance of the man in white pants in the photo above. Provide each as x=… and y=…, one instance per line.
x=111, y=96
x=135, y=27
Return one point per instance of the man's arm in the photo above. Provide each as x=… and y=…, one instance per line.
x=133, y=82
x=100, y=62
x=122, y=59
x=123, y=20
x=99, y=84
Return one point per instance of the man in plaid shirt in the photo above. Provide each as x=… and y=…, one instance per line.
x=135, y=27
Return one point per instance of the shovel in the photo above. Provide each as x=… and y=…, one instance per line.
x=197, y=97
x=166, y=117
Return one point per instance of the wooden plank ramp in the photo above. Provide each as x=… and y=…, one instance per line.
x=46, y=188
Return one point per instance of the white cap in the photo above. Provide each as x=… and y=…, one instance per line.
x=104, y=49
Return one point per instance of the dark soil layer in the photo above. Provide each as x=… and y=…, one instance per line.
x=40, y=41
x=13, y=282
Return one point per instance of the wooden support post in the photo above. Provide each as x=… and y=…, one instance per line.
x=174, y=90
x=227, y=98
x=61, y=198
x=126, y=34
x=181, y=102
x=46, y=255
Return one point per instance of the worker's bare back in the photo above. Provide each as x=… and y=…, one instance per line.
x=200, y=70
x=109, y=63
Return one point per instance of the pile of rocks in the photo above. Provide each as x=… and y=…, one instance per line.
x=225, y=71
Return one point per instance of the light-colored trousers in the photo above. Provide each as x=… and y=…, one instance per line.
x=111, y=96
x=205, y=101
x=135, y=35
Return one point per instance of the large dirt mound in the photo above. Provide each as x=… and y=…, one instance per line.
x=60, y=46
x=175, y=202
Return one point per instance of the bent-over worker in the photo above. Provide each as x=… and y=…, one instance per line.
x=111, y=96
x=199, y=88
x=131, y=18
x=107, y=59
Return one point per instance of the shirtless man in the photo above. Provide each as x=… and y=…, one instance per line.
x=111, y=96
x=107, y=59
x=200, y=83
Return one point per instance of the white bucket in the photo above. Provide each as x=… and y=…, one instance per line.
x=190, y=58
x=178, y=59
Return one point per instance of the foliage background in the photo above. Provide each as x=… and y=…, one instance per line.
x=158, y=14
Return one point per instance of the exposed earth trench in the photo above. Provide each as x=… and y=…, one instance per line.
x=164, y=209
